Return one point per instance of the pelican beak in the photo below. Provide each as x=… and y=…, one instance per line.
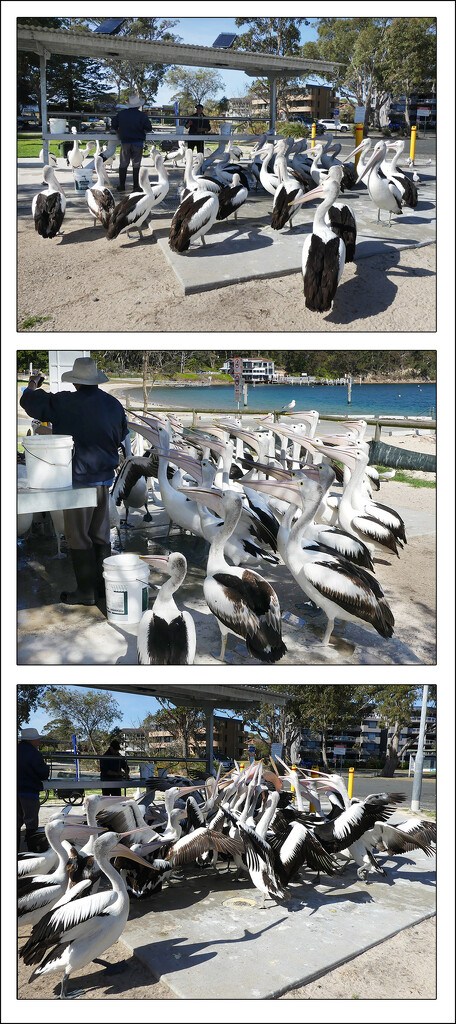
x=159, y=562
x=308, y=195
x=210, y=498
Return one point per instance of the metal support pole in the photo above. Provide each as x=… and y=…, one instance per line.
x=351, y=774
x=272, y=101
x=209, y=738
x=418, y=773
x=43, y=57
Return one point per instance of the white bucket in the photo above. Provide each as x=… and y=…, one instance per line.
x=48, y=459
x=83, y=178
x=126, y=583
x=57, y=125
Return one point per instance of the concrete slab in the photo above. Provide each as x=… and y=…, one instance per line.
x=211, y=920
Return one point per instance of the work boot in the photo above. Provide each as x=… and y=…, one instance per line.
x=136, y=187
x=102, y=551
x=84, y=567
x=122, y=179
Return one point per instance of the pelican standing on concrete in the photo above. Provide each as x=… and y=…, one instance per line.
x=166, y=636
x=323, y=252
x=48, y=207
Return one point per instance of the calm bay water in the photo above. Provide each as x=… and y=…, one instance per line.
x=368, y=399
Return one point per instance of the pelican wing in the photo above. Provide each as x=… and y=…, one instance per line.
x=352, y=823
x=134, y=467
x=167, y=642
x=395, y=840
x=354, y=590
x=376, y=532
x=248, y=606
x=188, y=848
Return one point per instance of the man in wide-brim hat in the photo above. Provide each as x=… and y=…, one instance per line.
x=31, y=771
x=131, y=125
x=98, y=426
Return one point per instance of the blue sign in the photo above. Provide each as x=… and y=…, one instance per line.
x=251, y=749
x=336, y=112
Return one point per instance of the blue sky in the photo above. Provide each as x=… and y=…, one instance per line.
x=203, y=32
x=133, y=709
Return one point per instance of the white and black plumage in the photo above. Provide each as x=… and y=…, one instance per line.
x=405, y=185
x=48, y=207
x=100, y=199
x=352, y=823
x=378, y=526
x=199, y=182
x=166, y=636
x=341, y=219
x=258, y=854
x=130, y=484
x=74, y=156
x=384, y=192
x=78, y=930
x=133, y=211
x=242, y=602
x=231, y=198
x=38, y=893
x=339, y=588
x=323, y=252
x=193, y=219
x=286, y=192
x=51, y=158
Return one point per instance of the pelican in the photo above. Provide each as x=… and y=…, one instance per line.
x=231, y=198
x=198, y=182
x=323, y=252
x=193, y=219
x=384, y=192
x=286, y=192
x=243, y=603
x=405, y=185
x=100, y=199
x=167, y=636
x=130, y=484
x=75, y=157
x=78, y=930
x=339, y=588
x=133, y=211
x=52, y=159
x=48, y=207
x=38, y=893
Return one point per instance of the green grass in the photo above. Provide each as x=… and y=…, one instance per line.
x=409, y=478
x=33, y=321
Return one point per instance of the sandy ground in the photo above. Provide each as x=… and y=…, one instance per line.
x=375, y=974
x=127, y=285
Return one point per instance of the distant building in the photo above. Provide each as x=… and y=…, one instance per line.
x=312, y=101
x=367, y=739
x=254, y=371
x=228, y=739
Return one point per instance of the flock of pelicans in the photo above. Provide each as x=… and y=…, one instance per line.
x=260, y=497
x=216, y=187
x=75, y=894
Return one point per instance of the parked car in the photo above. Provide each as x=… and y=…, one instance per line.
x=330, y=125
x=308, y=122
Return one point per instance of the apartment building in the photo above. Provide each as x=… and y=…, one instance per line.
x=366, y=740
x=228, y=739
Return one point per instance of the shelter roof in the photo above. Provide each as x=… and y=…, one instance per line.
x=88, y=44
x=239, y=696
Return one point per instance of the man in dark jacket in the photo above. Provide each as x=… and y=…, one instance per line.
x=113, y=766
x=197, y=124
x=131, y=125
x=31, y=770
x=98, y=425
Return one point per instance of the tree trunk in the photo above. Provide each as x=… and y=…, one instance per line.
x=392, y=753
x=324, y=755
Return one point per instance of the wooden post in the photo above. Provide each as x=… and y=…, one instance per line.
x=359, y=131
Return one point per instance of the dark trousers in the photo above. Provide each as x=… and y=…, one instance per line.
x=199, y=146
x=130, y=151
x=28, y=809
x=111, y=790
x=87, y=526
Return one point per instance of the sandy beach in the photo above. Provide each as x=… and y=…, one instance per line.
x=127, y=286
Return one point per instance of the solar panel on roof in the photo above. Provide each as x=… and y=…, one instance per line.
x=110, y=26
x=225, y=40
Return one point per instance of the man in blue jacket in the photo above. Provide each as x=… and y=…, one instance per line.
x=31, y=770
x=131, y=125
x=98, y=425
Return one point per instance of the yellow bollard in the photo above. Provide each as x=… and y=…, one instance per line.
x=292, y=789
x=412, y=143
x=314, y=775
x=351, y=772
x=359, y=131
x=314, y=131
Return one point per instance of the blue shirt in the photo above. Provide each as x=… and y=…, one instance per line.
x=131, y=125
x=31, y=770
x=96, y=422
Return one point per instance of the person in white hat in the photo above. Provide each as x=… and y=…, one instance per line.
x=131, y=125
x=31, y=771
x=98, y=425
